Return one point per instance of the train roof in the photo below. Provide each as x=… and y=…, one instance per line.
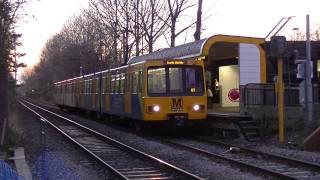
x=192, y=49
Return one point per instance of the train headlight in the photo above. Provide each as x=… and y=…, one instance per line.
x=153, y=108
x=156, y=108
x=196, y=107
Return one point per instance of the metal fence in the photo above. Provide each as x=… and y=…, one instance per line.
x=258, y=94
x=7, y=173
x=49, y=165
x=265, y=95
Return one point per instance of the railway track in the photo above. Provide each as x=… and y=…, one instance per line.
x=269, y=165
x=124, y=161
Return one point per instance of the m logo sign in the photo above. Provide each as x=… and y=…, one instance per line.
x=176, y=104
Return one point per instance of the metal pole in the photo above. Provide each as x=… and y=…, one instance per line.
x=308, y=84
x=280, y=85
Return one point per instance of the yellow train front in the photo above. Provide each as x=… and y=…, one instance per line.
x=174, y=91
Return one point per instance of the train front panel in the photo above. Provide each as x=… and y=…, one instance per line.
x=174, y=91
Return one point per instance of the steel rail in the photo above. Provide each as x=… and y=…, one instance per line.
x=274, y=156
x=215, y=155
x=116, y=172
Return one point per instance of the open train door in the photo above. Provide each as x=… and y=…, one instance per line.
x=232, y=62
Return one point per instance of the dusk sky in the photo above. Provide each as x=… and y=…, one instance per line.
x=233, y=17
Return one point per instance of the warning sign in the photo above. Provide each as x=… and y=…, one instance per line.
x=234, y=95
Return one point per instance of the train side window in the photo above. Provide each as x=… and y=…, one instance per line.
x=97, y=85
x=68, y=88
x=72, y=87
x=88, y=86
x=91, y=86
x=83, y=87
x=87, y=89
x=130, y=79
x=129, y=82
x=108, y=84
x=135, y=82
x=140, y=81
x=113, y=84
x=121, y=84
x=103, y=88
x=117, y=87
x=125, y=77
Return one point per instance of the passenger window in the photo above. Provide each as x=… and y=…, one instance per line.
x=97, y=85
x=117, y=84
x=140, y=82
x=113, y=84
x=121, y=81
x=108, y=84
x=157, y=80
x=135, y=82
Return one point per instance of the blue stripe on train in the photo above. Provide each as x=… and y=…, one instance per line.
x=117, y=104
x=136, y=106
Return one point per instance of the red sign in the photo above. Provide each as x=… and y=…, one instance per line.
x=234, y=95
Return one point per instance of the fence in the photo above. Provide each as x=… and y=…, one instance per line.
x=265, y=95
x=258, y=94
x=7, y=173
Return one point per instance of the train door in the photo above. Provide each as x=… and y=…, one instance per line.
x=229, y=83
x=230, y=66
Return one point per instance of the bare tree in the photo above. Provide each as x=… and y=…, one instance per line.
x=107, y=16
x=10, y=12
x=176, y=7
x=198, y=24
x=152, y=22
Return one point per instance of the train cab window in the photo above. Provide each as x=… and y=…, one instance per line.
x=157, y=80
x=180, y=80
x=175, y=80
x=194, y=80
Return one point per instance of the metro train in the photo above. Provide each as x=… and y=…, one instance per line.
x=164, y=91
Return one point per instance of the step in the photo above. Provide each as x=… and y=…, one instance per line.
x=254, y=139
x=252, y=134
x=250, y=128
x=247, y=122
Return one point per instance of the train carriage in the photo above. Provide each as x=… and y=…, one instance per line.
x=148, y=91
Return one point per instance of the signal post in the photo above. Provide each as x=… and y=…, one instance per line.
x=278, y=49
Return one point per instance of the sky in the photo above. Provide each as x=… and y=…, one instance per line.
x=254, y=18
